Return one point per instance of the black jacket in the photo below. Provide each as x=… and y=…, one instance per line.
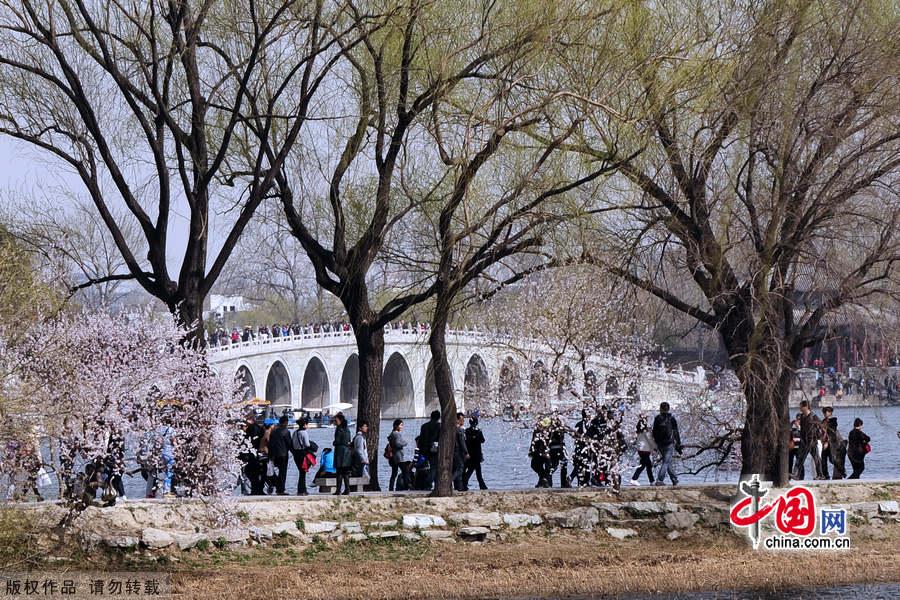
x=856, y=444
x=280, y=442
x=429, y=435
x=474, y=441
x=666, y=435
x=460, y=450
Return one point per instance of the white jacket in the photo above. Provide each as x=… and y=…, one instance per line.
x=644, y=442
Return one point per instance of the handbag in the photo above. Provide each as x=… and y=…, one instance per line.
x=389, y=451
x=868, y=448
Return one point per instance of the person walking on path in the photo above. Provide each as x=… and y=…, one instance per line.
x=857, y=448
x=279, y=451
x=342, y=454
x=810, y=433
x=474, y=442
x=361, y=450
x=836, y=449
x=460, y=454
x=539, y=451
x=668, y=441
x=428, y=445
x=304, y=454
x=645, y=447
x=401, y=459
x=558, y=456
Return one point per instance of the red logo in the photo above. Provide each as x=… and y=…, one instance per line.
x=795, y=510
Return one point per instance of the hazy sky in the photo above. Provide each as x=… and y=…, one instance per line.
x=28, y=171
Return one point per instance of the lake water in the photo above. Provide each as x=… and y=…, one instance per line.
x=506, y=464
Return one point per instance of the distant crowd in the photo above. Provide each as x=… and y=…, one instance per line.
x=223, y=337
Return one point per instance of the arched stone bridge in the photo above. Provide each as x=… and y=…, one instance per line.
x=313, y=370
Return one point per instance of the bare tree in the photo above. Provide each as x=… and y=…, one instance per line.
x=767, y=184
x=76, y=245
x=398, y=75
x=150, y=105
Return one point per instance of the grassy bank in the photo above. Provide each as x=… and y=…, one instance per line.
x=546, y=560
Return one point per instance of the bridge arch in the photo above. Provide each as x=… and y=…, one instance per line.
x=432, y=402
x=590, y=384
x=538, y=383
x=477, y=383
x=565, y=383
x=398, y=400
x=509, y=390
x=349, y=392
x=245, y=382
x=315, y=392
x=278, y=386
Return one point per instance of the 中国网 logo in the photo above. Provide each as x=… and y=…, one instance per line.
x=795, y=517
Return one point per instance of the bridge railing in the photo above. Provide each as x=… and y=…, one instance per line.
x=288, y=342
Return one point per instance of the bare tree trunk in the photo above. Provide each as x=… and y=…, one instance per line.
x=370, y=345
x=766, y=434
x=444, y=385
x=189, y=312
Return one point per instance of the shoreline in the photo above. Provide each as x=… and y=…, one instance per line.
x=496, y=544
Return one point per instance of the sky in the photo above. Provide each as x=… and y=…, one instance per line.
x=27, y=170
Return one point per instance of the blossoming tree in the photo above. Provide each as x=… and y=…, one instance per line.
x=89, y=378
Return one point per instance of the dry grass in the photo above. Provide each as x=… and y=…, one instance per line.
x=536, y=566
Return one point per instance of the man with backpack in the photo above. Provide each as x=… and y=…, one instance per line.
x=668, y=441
x=304, y=452
x=428, y=444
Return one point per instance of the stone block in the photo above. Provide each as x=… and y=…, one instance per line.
x=517, y=520
x=681, y=520
x=383, y=524
x=888, y=507
x=156, y=538
x=673, y=535
x=260, y=534
x=351, y=527
x=317, y=527
x=231, y=535
x=619, y=533
x=477, y=519
x=410, y=536
x=384, y=534
x=357, y=537
x=437, y=534
x=474, y=534
x=421, y=521
x=286, y=528
x=610, y=509
x=584, y=517
x=121, y=541
x=644, y=509
x=186, y=541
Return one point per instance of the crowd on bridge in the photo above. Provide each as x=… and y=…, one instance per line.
x=224, y=337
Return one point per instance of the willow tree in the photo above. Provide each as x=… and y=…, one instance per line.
x=147, y=105
x=352, y=174
x=765, y=199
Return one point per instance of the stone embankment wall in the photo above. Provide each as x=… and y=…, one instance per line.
x=643, y=513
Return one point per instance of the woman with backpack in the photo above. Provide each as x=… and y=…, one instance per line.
x=399, y=457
